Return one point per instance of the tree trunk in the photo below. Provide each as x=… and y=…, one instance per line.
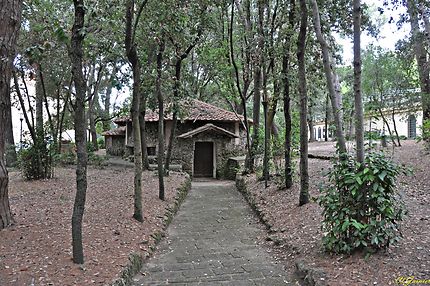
x=93, y=94
x=170, y=145
x=142, y=122
x=39, y=106
x=273, y=106
x=9, y=140
x=326, y=119
x=76, y=57
x=176, y=88
x=301, y=48
x=242, y=96
x=45, y=101
x=421, y=56
x=350, y=125
x=311, y=125
x=358, y=103
x=57, y=114
x=10, y=21
x=331, y=78
x=385, y=121
x=176, y=85
x=258, y=63
x=287, y=99
x=135, y=110
x=107, y=98
x=63, y=114
x=395, y=126
x=160, y=155
x=24, y=111
x=425, y=12
x=91, y=117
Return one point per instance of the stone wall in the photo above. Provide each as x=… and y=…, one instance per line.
x=183, y=149
x=115, y=145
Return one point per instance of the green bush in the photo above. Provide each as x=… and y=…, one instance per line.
x=90, y=147
x=101, y=142
x=425, y=129
x=67, y=158
x=361, y=208
x=372, y=135
x=97, y=160
x=35, y=161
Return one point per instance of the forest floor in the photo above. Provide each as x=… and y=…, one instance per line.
x=37, y=249
x=296, y=235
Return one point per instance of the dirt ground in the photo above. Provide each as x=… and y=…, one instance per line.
x=298, y=235
x=37, y=249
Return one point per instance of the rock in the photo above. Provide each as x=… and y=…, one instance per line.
x=311, y=276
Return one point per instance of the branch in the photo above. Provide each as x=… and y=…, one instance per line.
x=236, y=69
x=142, y=5
x=21, y=102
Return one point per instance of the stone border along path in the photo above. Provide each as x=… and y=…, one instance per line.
x=212, y=241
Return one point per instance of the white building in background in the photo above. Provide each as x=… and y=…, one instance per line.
x=408, y=123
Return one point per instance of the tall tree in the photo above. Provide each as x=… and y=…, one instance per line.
x=287, y=97
x=246, y=81
x=359, y=117
x=76, y=54
x=258, y=63
x=301, y=48
x=10, y=21
x=331, y=78
x=180, y=57
x=160, y=98
x=11, y=155
x=421, y=57
x=131, y=51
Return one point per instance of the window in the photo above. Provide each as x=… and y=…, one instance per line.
x=412, y=126
x=319, y=132
x=151, y=151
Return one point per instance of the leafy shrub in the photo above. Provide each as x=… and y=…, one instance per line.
x=97, y=160
x=67, y=158
x=425, y=130
x=360, y=206
x=101, y=142
x=372, y=135
x=90, y=147
x=35, y=161
x=11, y=156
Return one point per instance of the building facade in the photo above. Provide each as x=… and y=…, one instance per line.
x=205, y=137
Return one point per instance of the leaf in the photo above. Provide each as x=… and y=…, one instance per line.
x=345, y=225
x=382, y=175
x=357, y=225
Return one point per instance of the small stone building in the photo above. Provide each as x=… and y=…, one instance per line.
x=205, y=137
x=115, y=141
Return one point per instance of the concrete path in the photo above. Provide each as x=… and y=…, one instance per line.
x=211, y=241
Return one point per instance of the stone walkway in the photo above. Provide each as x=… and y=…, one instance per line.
x=211, y=241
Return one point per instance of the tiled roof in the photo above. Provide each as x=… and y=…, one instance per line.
x=120, y=131
x=196, y=110
x=207, y=127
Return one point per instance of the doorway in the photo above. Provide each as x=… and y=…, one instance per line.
x=203, y=159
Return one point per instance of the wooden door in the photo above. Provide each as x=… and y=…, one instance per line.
x=203, y=159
